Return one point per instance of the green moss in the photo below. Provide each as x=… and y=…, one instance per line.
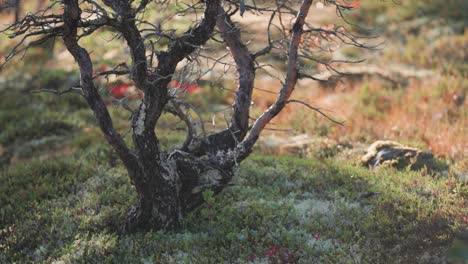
x=36, y=181
x=27, y=130
x=310, y=211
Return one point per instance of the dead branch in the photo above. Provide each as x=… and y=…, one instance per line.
x=246, y=145
x=71, y=17
x=316, y=109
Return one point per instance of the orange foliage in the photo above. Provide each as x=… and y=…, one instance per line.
x=354, y=4
x=416, y=115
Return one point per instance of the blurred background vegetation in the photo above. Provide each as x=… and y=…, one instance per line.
x=64, y=195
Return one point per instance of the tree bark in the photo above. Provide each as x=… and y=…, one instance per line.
x=166, y=184
x=173, y=190
x=158, y=206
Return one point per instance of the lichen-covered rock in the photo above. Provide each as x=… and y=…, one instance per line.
x=394, y=154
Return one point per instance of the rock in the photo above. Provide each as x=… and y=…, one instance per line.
x=394, y=154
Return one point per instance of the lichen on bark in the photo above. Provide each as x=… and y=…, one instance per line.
x=140, y=123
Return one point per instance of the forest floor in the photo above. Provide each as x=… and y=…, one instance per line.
x=64, y=196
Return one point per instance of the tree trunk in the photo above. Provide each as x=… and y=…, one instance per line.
x=174, y=189
x=158, y=207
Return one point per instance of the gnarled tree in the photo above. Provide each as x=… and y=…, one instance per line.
x=170, y=184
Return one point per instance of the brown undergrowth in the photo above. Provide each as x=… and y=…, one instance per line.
x=429, y=113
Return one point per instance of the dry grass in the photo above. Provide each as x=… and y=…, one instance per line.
x=431, y=114
x=428, y=112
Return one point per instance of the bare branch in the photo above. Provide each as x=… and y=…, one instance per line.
x=268, y=48
x=316, y=109
x=174, y=108
x=60, y=92
x=71, y=17
x=246, y=145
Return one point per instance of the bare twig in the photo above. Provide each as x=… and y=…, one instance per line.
x=316, y=109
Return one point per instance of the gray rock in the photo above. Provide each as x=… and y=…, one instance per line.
x=393, y=154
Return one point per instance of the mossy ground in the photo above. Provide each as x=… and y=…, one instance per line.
x=70, y=207
x=64, y=196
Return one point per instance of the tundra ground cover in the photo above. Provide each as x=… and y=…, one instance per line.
x=71, y=207
x=64, y=197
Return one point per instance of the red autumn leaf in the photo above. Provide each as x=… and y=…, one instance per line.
x=192, y=88
x=353, y=4
x=103, y=68
x=120, y=91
